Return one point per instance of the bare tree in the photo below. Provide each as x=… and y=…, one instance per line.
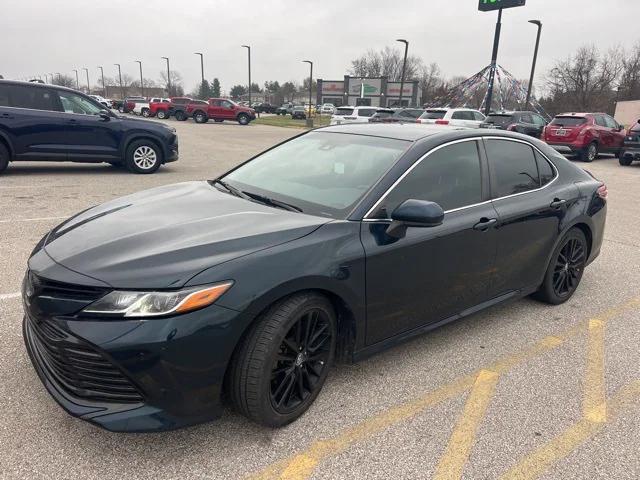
x=386, y=63
x=176, y=89
x=629, y=86
x=430, y=80
x=64, y=81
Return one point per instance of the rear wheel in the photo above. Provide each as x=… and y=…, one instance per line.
x=143, y=156
x=590, y=153
x=145, y=112
x=162, y=114
x=625, y=160
x=180, y=116
x=200, y=117
x=4, y=158
x=283, y=362
x=565, y=269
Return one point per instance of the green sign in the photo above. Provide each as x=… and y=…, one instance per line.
x=489, y=5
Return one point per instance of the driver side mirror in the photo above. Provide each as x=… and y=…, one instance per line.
x=104, y=115
x=414, y=213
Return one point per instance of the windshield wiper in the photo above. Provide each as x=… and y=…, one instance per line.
x=230, y=188
x=273, y=202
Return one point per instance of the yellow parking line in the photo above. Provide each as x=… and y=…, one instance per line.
x=463, y=436
x=533, y=465
x=302, y=465
x=594, y=406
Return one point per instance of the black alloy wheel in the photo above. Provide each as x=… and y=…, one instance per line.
x=565, y=269
x=283, y=361
x=303, y=356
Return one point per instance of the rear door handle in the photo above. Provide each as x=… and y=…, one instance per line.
x=485, y=224
x=6, y=115
x=557, y=204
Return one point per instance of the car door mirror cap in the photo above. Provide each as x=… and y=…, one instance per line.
x=104, y=115
x=415, y=213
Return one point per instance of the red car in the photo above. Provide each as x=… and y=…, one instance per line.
x=221, y=109
x=585, y=134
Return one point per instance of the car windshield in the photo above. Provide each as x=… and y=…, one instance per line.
x=500, y=120
x=433, y=114
x=322, y=173
x=343, y=111
x=569, y=121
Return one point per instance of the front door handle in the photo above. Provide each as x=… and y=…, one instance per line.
x=485, y=224
x=558, y=204
x=6, y=115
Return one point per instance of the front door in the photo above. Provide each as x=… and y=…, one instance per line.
x=89, y=136
x=430, y=274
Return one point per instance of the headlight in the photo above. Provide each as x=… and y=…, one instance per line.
x=153, y=304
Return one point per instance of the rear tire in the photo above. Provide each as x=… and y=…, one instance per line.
x=590, y=153
x=145, y=112
x=200, y=117
x=283, y=361
x=180, y=116
x=565, y=269
x=162, y=114
x=4, y=158
x=143, y=156
x=624, y=160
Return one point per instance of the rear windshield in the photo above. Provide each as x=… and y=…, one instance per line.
x=344, y=111
x=500, y=120
x=434, y=114
x=569, y=121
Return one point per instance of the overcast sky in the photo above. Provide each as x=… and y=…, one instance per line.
x=43, y=36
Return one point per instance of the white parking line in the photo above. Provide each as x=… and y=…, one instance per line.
x=38, y=219
x=9, y=296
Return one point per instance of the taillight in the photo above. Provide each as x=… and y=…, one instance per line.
x=512, y=127
x=442, y=122
x=603, y=192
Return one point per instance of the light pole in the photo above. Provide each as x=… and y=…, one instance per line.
x=533, y=65
x=59, y=78
x=309, y=119
x=77, y=80
x=249, y=57
x=168, y=77
x=201, y=66
x=404, y=65
x=104, y=87
x=141, y=80
x=120, y=78
x=88, y=86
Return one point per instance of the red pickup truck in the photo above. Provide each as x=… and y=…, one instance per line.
x=165, y=108
x=220, y=109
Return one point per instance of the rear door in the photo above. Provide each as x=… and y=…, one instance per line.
x=616, y=131
x=431, y=274
x=32, y=116
x=89, y=136
x=531, y=202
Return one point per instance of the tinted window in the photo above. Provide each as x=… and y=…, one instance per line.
x=366, y=112
x=610, y=122
x=449, y=176
x=478, y=116
x=343, y=111
x=4, y=96
x=513, y=167
x=600, y=120
x=434, y=114
x=526, y=118
x=500, y=120
x=464, y=115
x=546, y=170
x=538, y=120
x=323, y=173
x=569, y=121
x=21, y=96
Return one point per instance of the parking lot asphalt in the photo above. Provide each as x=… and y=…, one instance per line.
x=523, y=390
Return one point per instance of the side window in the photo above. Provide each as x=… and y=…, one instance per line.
x=600, y=120
x=73, y=103
x=365, y=112
x=538, y=120
x=36, y=98
x=526, y=118
x=225, y=104
x=463, y=115
x=449, y=176
x=547, y=173
x=215, y=103
x=478, y=116
x=610, y=122
x=4, y=96
x=513, y=167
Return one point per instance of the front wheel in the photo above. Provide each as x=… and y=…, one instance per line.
x=143, y=156
x=282, y=363
x=200, y=117
x=145, y=112
x=565, y=269
x=162, y=114
x=243, y=119
x=180, y=116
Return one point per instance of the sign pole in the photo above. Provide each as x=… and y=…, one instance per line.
x=494, y=61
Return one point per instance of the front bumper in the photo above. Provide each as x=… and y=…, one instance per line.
x=173, y=152
x=630, y=151
x=173, y=367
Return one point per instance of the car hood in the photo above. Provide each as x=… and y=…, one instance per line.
x=160, y=238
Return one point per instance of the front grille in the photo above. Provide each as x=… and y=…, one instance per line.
x=51, y=288
x=76, y=367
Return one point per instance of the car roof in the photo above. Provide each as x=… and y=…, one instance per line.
x=574, y=114
x=36, y=85
x=406, y=131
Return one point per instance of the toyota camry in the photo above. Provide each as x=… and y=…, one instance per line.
x=142, y=313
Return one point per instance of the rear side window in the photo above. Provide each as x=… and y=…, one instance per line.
x=21, y=96
x=513, y=167
x=500, y=120
x=569, y=121
x=449, y=176
x=366, y=112
x=464, y=115
x=478, y=116
x=545, y=169
x=344, y=111
x=600, y=120
x=4, y=96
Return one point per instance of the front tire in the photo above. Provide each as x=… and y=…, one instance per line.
x=624, y=160
x=145, y=112
x=565, y=269
x=162, y=114
x=200, y=117
x=243, y=119
x=283, y=361
x=143, y=156
x=180, y=116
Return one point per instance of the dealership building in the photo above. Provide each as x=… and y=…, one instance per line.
x=377, y=92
